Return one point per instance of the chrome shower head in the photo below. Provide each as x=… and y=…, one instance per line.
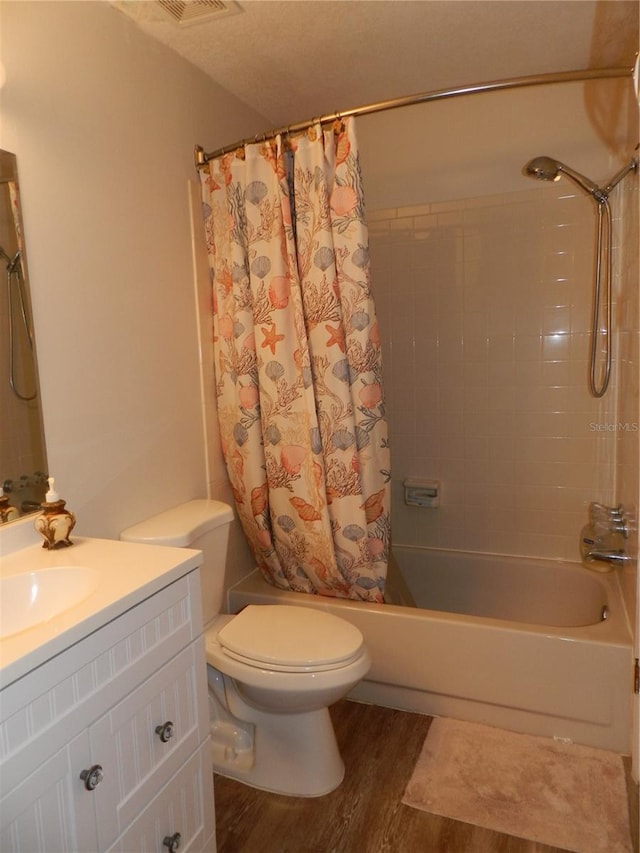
x=548, y=169
x=542, y=169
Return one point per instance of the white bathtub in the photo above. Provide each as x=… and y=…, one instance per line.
x=509, y=641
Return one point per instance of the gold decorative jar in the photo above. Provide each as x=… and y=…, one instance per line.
x=55, y=523
x=7, y=512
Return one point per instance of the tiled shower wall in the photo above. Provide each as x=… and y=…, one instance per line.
x=485, y=311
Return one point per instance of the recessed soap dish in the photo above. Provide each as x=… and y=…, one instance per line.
x=421, y=493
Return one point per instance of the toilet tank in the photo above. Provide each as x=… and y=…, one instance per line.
x=201, y=524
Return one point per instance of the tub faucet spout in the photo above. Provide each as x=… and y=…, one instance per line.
x=616, y=557
x=602, y=541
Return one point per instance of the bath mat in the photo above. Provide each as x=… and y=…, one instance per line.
x=561, y=794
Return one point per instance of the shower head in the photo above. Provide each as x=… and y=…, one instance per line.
x=543, y=169
x=548, y=169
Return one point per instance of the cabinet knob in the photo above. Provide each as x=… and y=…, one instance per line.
x=165, y=733
x=92, y=777
x=172, y=842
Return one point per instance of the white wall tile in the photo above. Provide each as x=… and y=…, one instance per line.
x=491, y=354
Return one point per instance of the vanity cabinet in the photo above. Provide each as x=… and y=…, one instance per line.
x=105, y=747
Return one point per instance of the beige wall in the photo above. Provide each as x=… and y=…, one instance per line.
x=103, y=121
x=483, y=283
x=477, y=145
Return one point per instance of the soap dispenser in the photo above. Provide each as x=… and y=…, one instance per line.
x=7, y=512
x=55, y=523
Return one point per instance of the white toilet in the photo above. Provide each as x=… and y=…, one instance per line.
x=273, y=670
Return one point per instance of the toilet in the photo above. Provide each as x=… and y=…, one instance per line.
x=272, y=670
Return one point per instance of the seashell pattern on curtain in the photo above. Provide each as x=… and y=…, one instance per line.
x=298, y=361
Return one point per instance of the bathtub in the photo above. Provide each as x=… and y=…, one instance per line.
x=535, y=646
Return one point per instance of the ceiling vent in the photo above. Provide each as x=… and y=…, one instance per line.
x=187, y=12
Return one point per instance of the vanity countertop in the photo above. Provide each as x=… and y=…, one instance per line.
x=127, y=573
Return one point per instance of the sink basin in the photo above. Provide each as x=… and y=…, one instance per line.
x=31, y=598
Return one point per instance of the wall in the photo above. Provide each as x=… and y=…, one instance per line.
x=103, y=121
x=477, y=145
x=483, y=282
x=486, y=317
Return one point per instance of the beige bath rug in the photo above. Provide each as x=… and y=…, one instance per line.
x=564, y=795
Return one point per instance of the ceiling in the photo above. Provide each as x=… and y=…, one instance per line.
x=292, y=60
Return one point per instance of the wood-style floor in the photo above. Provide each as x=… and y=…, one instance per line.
x=364, y=815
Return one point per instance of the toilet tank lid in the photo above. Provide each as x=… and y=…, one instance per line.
x=181, y=525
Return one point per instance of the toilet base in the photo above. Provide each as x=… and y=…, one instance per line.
x=293, y=754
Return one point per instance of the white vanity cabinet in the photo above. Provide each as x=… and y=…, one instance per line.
x=105, y=746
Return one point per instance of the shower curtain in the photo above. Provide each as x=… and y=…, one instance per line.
x=298, y=362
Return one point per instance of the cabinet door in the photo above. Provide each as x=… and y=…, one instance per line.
x=144, y=739
x=43, y=711
x=51, y=811
x=184, y=806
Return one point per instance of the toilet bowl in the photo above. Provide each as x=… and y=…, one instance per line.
x=278, y=682
x=272, y=670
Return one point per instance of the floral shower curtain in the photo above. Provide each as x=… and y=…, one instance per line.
x=297, y=360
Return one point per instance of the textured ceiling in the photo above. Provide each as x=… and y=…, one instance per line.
x=294, y=59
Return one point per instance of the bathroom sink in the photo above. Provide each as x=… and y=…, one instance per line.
x=31, y=598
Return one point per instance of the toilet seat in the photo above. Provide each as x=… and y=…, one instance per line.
x=290, y=639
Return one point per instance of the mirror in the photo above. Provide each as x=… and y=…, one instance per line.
x=23, y=463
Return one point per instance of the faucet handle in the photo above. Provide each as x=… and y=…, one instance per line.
x=601, y=511
x=621, y=527
x=614, y=519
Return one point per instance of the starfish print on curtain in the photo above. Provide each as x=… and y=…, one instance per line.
x=298, y=361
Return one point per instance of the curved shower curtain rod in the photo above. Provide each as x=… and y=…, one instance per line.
x=201, y=158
